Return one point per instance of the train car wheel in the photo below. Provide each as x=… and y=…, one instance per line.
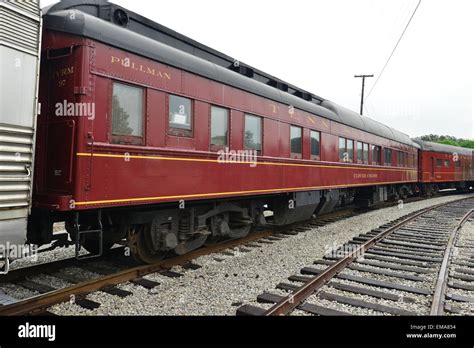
x=141, y=245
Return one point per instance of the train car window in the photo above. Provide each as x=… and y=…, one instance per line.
x=219, y=126
x=346, y=150
x=350, y=150
x=366, y=153
x=360, y=152
x=447, y=163
x=127, y=112
x=315, y=145
x=180, y=115
x=439, y=162
x=296, y=140
x=402, y=159
x=458, y=163
x=388, y=157
x=376, y=155
x=342, y=149
x=253, y=132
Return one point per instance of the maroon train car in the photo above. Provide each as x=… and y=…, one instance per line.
x=445, y=167
x=149, y=136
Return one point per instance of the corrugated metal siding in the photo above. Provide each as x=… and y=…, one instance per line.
x=30, y=6
x=19, y=30
x=16, y=153
x=20, y=38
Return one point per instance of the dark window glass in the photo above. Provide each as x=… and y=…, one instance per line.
x=315, y=143
x=376, y=154
x=439, y=162
x=447, y=163
x=360, y=151
x=342, y=149
x=127, y=110
x=366, y=153
x=458, y=164
x=219, y=126
x=388, y=157
x=180, y=113
x=296, y=141
x=253, y=132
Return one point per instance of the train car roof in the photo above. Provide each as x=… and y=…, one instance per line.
x=116, y=26
x=450, y=149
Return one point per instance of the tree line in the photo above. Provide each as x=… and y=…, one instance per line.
x=448, y=140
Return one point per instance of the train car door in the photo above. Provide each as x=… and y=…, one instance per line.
x=61, y=117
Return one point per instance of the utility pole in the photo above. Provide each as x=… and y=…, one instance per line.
x=363, y=90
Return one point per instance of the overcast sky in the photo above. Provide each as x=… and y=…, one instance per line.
x=319, y=45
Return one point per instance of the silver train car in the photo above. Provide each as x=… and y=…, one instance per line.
x=20, y=42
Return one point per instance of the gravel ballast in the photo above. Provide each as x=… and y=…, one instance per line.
x=226, y=282
x=463, y=250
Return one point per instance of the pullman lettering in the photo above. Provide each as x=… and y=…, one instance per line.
x=127, y=63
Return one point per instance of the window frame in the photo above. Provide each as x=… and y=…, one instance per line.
x=350, y=153
x=401, y=159
x=365, y=152
x=314, y=157
x=261, y=132
x=385, y=151
x=296, y=155
x=361, y=159
x=215, y=147
x=377, y=161
x=180, y=132
x=339, y=149
x=346, y=150
x=124, y=139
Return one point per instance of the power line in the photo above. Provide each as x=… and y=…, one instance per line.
x=366, y=110
x=395, y=48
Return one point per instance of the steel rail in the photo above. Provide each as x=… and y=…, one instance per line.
x=39, y=304
x=293, y=300
x=437, y=306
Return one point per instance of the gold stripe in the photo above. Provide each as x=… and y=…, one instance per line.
x=239, y=162
x=231, y=193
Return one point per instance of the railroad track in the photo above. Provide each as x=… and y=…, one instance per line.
x=100, y=277
x=407, y=267
x=115, y=268
x=105, y=274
